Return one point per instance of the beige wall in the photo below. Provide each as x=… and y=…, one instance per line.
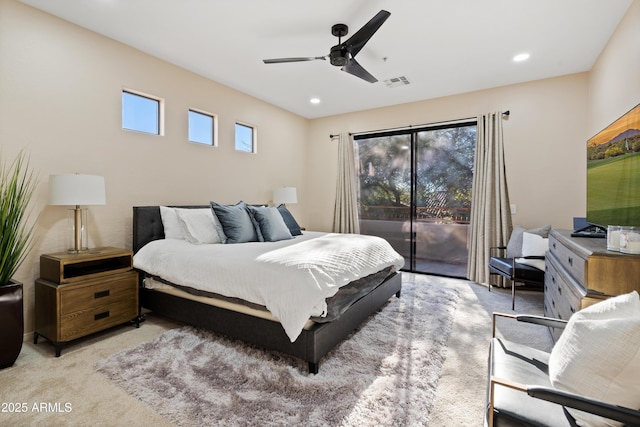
x=60, y=97
x=614, y=80
x=544, y=145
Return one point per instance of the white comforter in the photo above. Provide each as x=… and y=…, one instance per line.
x=291, y=278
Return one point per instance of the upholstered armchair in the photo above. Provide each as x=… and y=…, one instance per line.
x=522, y=259
x=592, y=374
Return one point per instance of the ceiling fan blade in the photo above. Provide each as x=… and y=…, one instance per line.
x=353, y=67
x=300, y=59
x=355, y=43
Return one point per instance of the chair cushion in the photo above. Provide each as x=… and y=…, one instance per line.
x=514, y=246
x=525, y=365
x=504, y=266
x=598, y=355
x=533, y=245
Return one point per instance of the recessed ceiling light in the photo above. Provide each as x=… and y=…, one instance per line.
x=315, y=100
x=521, y=57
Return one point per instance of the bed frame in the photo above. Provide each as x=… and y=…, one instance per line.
x=310, y=346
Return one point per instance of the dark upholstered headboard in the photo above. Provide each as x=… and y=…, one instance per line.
x=147, y=224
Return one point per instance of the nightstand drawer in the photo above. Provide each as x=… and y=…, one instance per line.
x=99, y=292
x=87, y=321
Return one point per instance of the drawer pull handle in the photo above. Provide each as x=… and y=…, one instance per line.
x=553, y=303
x=559, y=290
x=573, y=310
x=554, y=245
x=553, y=280
x=101, y=315
x=571, y=261
x=101, y=294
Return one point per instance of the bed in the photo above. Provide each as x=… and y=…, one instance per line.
x=312, y=342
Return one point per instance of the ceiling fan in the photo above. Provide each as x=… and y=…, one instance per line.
x=343, y=54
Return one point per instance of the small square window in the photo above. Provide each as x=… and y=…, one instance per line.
x=202, y=127
x=245, y=138
x=141, y=113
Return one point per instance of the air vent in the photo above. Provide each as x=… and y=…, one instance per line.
x=397, y=81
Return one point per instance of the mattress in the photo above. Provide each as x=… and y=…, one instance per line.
x=336, y=305
x=240, y=307
x=292, y=278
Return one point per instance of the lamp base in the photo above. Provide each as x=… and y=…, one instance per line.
x=77, y=251
x=78, y=222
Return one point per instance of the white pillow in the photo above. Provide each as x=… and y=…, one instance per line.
x=198, y=226
x=514, y=246
x=598, y=355
x=171, y=224
x=533, y=245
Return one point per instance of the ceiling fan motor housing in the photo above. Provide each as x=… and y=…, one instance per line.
x=338, y=55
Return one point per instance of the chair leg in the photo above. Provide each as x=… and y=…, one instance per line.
x=491, y=393
x=513, y=285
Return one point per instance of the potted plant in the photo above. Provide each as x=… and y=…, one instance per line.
x=17, y=184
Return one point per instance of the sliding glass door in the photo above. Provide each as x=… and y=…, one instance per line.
x=415, y=191
x=385, y=179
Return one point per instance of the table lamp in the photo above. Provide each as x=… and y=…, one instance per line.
x=76, y=190
x=284, y=195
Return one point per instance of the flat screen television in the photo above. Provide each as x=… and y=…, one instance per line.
x=613, y=173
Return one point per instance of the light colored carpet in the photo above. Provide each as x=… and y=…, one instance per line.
x=384, y=374
x=38, y=377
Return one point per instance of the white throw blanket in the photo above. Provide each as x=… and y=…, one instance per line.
x=291, y=278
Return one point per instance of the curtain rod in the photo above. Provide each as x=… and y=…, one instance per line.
x=332, y=136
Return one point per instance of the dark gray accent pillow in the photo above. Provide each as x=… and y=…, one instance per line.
x=270, y=223
x=236, y=222
x=514, y=247
x=293, y=226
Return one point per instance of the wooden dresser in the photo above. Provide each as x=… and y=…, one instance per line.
x=79, y=294
x=581, y=271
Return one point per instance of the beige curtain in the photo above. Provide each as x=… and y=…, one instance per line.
x=490, y=213
x=345, y=215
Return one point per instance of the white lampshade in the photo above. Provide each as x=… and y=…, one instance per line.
x=76, y=190
x=284, y=195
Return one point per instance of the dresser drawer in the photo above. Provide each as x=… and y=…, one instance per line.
x=551, y=294
x=99, y=292
x=89, y=320
x=562, y=295
x=566, y=293
x=570, y=260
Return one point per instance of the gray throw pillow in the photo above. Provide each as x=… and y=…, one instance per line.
x=236, y=222
x=291, y=222
x=270, y=223
x=514, y=247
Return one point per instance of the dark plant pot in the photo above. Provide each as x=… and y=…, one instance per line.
x=11, y=323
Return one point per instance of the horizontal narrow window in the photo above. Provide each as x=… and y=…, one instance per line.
x=202, y=128
x=141, y=113
x=245, y=138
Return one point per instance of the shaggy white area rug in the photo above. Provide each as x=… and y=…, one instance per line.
x=386, y=373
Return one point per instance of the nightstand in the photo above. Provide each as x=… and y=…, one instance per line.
x=78, y=294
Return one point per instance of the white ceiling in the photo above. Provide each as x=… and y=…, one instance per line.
x=443, y=47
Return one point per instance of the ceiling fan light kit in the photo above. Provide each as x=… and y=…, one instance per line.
x=343, y=54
